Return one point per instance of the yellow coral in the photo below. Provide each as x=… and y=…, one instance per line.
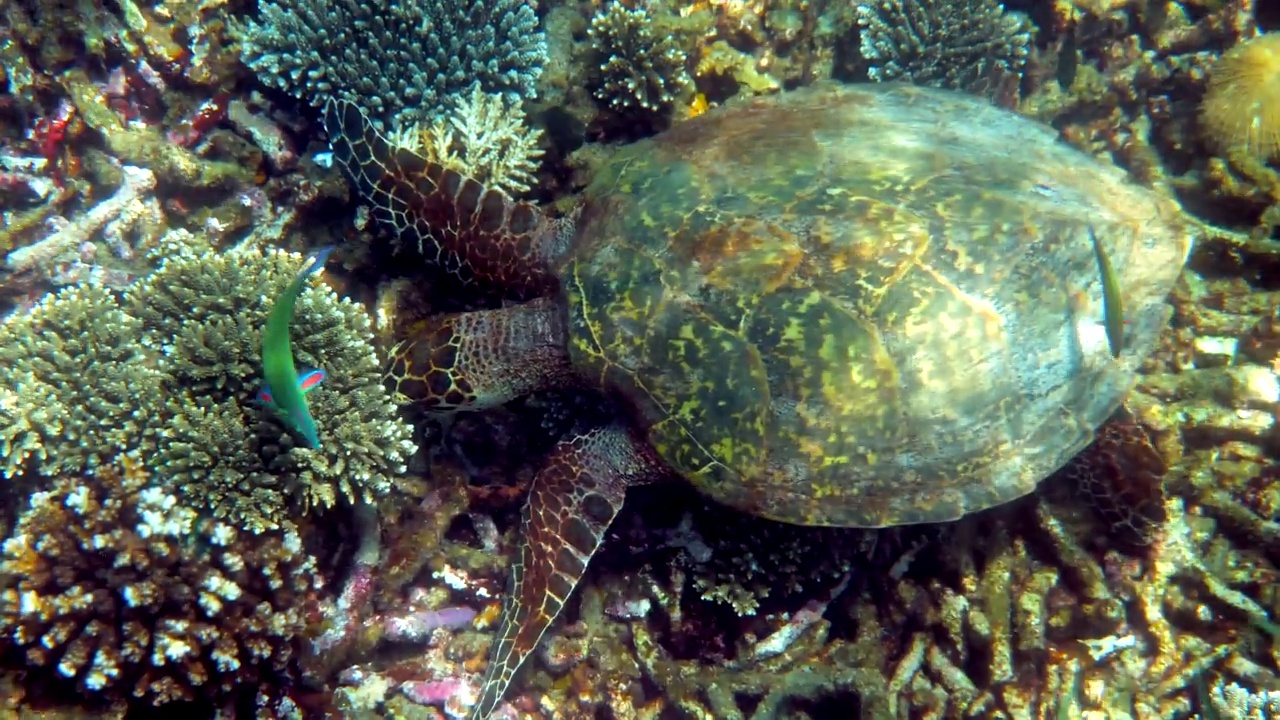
x=484, y=136
x=1241, y=109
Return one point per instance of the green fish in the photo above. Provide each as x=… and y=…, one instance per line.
x=286, y=389
x=1112, y=304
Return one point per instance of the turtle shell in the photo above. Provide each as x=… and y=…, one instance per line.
x=865, y=305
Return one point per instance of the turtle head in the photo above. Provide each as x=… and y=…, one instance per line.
x=480, y=234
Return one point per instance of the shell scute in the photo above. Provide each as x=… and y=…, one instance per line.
x=651, y=345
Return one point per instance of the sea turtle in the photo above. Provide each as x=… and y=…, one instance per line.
x=845, y=305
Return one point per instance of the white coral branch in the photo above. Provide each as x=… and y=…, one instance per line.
x=484, y=137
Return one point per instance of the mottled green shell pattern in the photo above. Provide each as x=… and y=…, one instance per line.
x=865, y=305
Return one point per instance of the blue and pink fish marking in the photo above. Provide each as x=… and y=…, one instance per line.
x=285, y=389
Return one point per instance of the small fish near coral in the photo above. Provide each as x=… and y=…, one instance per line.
x=285, y=389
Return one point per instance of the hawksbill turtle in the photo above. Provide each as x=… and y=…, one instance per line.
x=844, y=305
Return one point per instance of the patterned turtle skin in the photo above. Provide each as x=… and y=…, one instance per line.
x=865, y=307
x=855, y=306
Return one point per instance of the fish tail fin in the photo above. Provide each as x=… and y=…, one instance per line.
x=321, y=257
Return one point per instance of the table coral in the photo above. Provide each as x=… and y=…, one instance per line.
x=191, y=608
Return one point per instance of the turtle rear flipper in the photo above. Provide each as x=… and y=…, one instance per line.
x=1121, y=474
x=475, y=232
x=572, y=501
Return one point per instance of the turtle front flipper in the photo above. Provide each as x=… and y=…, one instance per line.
x=572, y=501
x=477, y=233
x=481, y=359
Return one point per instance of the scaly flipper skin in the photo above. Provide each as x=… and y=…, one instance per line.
x=1122, y=476
x=572, y=501
x=481, y=359
x=474, y=232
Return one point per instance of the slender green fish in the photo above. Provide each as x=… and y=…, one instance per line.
x=285, y=388
x=1112, y=304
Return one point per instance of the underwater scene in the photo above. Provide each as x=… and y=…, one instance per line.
x=640, y=359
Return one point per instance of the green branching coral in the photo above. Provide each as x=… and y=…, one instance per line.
x=173, y=371
x=204, y=314
x=75, y=387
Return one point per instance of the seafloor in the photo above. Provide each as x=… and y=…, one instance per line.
x=169, y=553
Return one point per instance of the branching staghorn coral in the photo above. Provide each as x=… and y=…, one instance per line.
x=113, y=585
x=961, y=44
x=397, y=60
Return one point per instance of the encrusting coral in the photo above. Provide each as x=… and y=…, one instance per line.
x=113, y=585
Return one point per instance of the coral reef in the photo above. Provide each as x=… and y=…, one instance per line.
x=126, y=120
x=637, y=69
x=191, y=608
x=396, y=60
x=174, y=369
x=969, y=45
x=484, y=137
x=1241, y=107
